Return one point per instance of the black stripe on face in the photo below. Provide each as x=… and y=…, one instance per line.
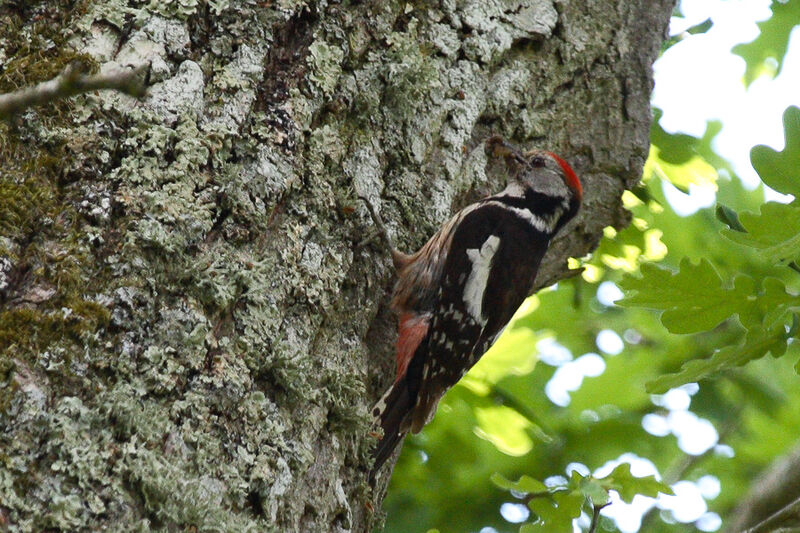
x=537, y=203
x=572, y=210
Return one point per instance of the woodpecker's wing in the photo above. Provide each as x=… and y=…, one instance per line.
x=489, y=271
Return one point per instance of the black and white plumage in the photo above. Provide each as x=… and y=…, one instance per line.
x=455, y=295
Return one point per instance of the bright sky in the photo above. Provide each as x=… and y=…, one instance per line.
x=699, y=79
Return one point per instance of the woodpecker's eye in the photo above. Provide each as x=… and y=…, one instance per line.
x=537, y=161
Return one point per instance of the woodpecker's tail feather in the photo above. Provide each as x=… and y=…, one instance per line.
x=391, y=412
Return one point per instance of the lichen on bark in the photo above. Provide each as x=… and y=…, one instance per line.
x=190, y=333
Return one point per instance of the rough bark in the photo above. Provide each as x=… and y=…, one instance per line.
x=190, y=335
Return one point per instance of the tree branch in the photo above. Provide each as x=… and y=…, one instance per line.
x=770, y=496
x=787, y=518
x=73, y=81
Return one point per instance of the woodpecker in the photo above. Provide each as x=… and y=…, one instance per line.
x=454, y=296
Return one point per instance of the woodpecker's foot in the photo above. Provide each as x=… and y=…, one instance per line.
x=369, y=239
x=398, y=258
x=378, y=221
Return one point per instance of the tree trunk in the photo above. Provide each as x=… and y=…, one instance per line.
x=191, y=334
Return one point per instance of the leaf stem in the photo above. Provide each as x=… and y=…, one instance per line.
x=596, y=516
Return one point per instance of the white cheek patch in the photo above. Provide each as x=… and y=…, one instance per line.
x=479, y=276
x=543, y=224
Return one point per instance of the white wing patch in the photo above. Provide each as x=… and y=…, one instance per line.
x=479, y=276
x=380, y=407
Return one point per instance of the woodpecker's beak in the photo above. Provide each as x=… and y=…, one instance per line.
x=497, y=147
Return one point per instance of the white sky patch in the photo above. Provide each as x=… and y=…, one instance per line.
x=514, y=512
x=690, y=388
x=685, y=204
x=695, y=435
x=724, y=450
x=591, y=365
x=608, y=341
x=552, y=353
x=656, y=425
x=569, y=376
x=677, y=398
x=700, y=74
x=554, y=481
x=687, y=505
x=581, y=523
x=709, y=522
x=608, y=293
x=561, y=384
x=639, y=466
x=709, y=486
x=580, y=468
x=627, y=516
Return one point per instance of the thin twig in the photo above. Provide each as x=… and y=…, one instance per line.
x=399, y=259
x=71, y=82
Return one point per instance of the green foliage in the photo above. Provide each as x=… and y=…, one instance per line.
x=773, y=232
x=628, y=486
x=770, y=46
x=556, y=505
x=525, y=484
x=695, y=299
x=671, y=150
x=756, y=344
x=779, y=170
